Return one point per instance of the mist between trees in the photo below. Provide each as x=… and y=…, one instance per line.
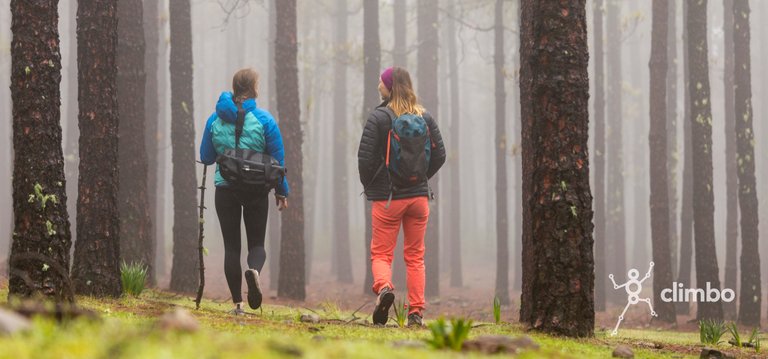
x=462, y=68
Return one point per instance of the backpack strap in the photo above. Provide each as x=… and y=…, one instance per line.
x=239, y=124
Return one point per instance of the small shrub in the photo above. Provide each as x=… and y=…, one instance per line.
x=401, y=313
x=710, y=331
x=734, y=330
x=133, y=277
x=497, y=310
x=449, y=335
x=754, y=339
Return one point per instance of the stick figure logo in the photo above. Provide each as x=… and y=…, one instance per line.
x=633, y=286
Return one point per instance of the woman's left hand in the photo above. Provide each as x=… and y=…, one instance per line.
x=281, y=202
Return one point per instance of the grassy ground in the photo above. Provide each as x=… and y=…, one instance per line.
x=127, y=329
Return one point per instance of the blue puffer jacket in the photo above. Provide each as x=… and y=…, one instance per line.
x=260, y=133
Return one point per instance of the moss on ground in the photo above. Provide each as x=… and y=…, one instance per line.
x=127, y=330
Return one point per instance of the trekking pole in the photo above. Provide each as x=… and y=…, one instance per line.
x=201, y=249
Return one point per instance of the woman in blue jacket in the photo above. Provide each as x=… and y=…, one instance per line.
x=260, y=133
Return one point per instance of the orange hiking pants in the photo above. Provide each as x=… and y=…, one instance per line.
x=413, y=213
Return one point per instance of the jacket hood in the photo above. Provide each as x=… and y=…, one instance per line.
x=227, y=110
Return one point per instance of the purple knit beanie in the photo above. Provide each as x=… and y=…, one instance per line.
x=386, y=78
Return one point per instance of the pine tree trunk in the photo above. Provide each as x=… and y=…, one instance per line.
x=371, y=67
x=95, y=270
x=400, y=51
x=39, y=258
x=343, y=262
x=135, y=241
x=659, y=200
x=599, y=157
x=672, y=150
x=454, y=211
x=400, y=58
x=71, y=131
x=686, y=201
x=615, y=233
x=701, y=144
x=6, y=156
x=426, y=71
x=163, y=140
x=502, y=218
x=274, y=214
x=750, y=293
x=152, y=134
x=557, y=246
x=184, y=270
x=731, y=179
x=292, y=276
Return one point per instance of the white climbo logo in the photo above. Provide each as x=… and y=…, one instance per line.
x=633, y=286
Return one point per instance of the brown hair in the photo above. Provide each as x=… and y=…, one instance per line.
x=245, y=85
x=402, y=98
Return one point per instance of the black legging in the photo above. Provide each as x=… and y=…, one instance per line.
x=255, y=207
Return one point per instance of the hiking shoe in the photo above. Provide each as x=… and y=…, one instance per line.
x=415, y=319
x=383, y=302
x=237, y=311
x=254, y=291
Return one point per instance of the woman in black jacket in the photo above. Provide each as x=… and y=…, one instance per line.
x=399, y=135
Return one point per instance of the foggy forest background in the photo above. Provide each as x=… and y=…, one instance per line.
x=225, y=42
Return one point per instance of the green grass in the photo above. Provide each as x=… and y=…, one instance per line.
x=127, y=330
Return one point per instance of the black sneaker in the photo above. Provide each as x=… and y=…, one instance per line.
x=383, y=302
x=415, y=319
x=254, y=291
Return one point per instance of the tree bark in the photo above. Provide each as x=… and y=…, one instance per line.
x=615, y=225
x=701, y=141
x=502, y=218
x=426, y=69
x=371, y=67
x=292, y=276
x=599, y=157
x=558, y=271
x=97, y=250
x=657, y=140
x=340, y=204
x=39, y=258
x=750, y=293
x=184, y=269
x=135, y=227
x=686, y=201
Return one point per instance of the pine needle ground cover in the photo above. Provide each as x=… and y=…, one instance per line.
x=128, y=328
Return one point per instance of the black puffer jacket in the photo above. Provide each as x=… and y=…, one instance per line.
x=372, y=151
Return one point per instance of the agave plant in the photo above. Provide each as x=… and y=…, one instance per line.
x=134, y=277
x=447, y=335
x=497, y=310
x=710, y=331
x=401, y=313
